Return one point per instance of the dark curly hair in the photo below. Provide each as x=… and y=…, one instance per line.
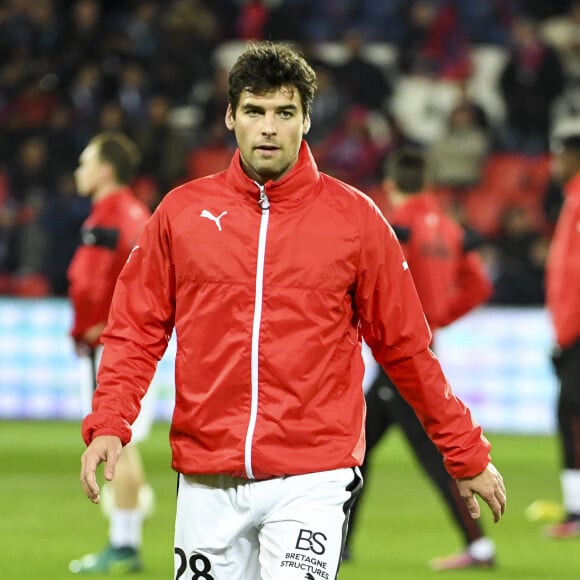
x=266, y=66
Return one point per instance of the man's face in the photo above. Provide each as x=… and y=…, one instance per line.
x=269, y=130
x=91, y=173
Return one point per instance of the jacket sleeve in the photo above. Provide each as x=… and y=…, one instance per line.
x=472, y=288
x=139, y=327
x=565, y=304
x=91, y=296
x=394, y=326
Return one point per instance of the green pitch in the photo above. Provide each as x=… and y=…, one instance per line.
x=45, y=521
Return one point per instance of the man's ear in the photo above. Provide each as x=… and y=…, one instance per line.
x=230, y=121
x=306, y=124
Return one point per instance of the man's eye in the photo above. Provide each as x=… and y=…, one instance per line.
x=286, y=114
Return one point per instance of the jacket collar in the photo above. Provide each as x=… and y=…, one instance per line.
x=299, y=183
x=113, y=195
x=417, y=202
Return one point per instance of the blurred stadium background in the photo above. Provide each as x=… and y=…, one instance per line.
x=456, y=77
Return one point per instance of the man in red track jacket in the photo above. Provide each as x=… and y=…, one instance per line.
x=107, y=237
x=563, y=302
x=271, y=273
x=451, y=280
x=449, y=275
x=106, y=167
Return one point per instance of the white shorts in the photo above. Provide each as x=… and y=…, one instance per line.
x=228, y=528
x=371, y=367
x=142, y=425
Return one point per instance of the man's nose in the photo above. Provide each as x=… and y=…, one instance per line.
x=269, y=124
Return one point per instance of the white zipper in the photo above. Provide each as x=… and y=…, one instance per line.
x=264, y=203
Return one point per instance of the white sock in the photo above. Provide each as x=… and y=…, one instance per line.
x=482, y=549
x=570, y=481
x=126, y=528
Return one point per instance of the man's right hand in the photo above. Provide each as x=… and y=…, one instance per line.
x=490, y=487
x=107, y=449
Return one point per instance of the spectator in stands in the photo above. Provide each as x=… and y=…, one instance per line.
x=14, y=75
x=553, y=199
x=522, y=252
x=330, y=106
x=60, y=138
x=540, y=9
x=352, y=152
x=137, y=34
x=487, y=22
x=81, y=40
x=283, y=24
x=132, y=92
x=188, y=33
x=15, y=24
x=208, y=95
x=327, y=20
x=381, y=21
x=434, y=43
x=253, y=17
x=47, y=24
x=85, y=92
x=8, y=234
x=29, y=109
x=456, y=160
x=163, y=148
x=374, y=92
x=31, y=182
x=112, y=117
x=563, y=33
x=62, y=219
x=530, y=82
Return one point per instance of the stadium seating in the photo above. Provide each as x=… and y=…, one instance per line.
x=508, y=179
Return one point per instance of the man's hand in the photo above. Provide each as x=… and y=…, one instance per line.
x=105, y=448
x=92, y=335
x=490, y=487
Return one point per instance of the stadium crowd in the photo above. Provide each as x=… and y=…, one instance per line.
x=480, y=85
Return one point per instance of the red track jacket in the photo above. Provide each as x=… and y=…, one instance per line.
x=563, y=269
x=450, y=280
x=107, y=235
x=270, y=290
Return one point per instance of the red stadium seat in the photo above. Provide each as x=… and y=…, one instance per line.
x=482, y=209
x=508, y=179
x=504, y=172
x=31, y=286
x=208, y=160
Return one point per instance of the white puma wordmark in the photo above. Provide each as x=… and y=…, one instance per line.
x=207, y=214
